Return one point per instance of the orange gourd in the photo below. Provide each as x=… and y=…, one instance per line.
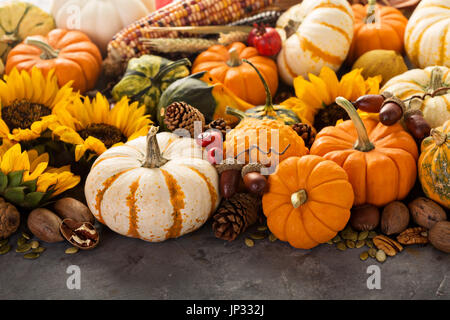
x=380, y=160
x=308, y=201
x=71, y=53
x=376, y=27
x=225, y=64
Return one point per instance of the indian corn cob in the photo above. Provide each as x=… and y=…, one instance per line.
x=126, y=44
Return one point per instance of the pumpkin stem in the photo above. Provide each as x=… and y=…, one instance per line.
x=166, y=69
x=153, y=157
x=439, y=137
x=234, y=60
x=298, y=198
x=235, y=112
x=363, y=143
x=48, y=52
x=268, y=108
x=371, y=10
x=436, y=82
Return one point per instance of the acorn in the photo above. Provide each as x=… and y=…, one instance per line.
x=230, y=176
x=254, y=181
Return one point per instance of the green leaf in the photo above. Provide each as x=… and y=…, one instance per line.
x=31, y=185
x=15, y=179
x=3, y=182
x=33, y=199
x=15, y=195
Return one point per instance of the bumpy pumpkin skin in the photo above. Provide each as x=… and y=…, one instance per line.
x=251, y=132
x=78, y=59
x=434, y=170
x=384, y=174
x=386, y=33
x=326, y=210
x=242, y=80
x=153, y=204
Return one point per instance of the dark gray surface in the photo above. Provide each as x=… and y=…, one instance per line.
x=199, y=266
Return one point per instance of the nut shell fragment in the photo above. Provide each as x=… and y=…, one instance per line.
x=82, y=235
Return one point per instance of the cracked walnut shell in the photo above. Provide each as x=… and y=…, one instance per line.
x=9, y=219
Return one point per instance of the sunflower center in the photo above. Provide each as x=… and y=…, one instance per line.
x=108, y=134
x=22, y=114
x=328, y=116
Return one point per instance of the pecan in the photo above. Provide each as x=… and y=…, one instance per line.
x=389, y=246
x=417, y=235
x=80, y=234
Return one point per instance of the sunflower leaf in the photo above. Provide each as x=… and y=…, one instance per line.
x=31, y=185
x=15, y=179
x=15, y=195
x=33, y=199
x=3, y=182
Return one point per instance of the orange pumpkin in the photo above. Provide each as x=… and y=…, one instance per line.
x=71, y=53
x=308, y=201
x=376, y=27
x=381, y=165
x=225, y=64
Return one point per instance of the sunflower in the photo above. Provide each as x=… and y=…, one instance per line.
x=314, y=102
x=94, y=126
x=25, y=178
x=27, y=102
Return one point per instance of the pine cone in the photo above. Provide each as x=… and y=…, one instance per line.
x=306, y=132
x=9, y=219
x=235, y=215
x=220, y=125
x=180, y=115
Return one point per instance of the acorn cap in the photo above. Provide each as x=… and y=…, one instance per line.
x=228, y=164
x=251, y=167
x=395, y=100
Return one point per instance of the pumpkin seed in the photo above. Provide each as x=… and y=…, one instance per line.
x=5, y=249
x=262, y=228
x=363, y=235
x=350, y=244
x=369, y=243
x=31, y=255
x=21, y=241
x=34, y=244
x=329, y=242
x=258, y=236
x=38, y=250
x=372, y=234
x=372, y=252
x=272, y=237
x=24, y=248
x=249, y=242
x=26, y=236
x=360, y=243
x=3, y=242
x=349, y=234
x=336, y=239
x=341, y=246
x=364, y=255
x=380, y=256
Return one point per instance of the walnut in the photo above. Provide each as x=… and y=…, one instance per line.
x=9, y=219
x=389, y=246
x=417, y=235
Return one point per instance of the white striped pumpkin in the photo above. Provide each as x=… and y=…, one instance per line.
x=136, y=193
x=423, y=83
x=427, y=35
x=315, y=33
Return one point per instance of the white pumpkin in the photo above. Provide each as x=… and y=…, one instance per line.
x=153, y=188
x=429, y=84
x=315, y=33
x=427, y=36
x=99, y=19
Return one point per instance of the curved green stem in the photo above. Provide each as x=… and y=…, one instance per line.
x=166, y=69
x=363, y=143
x=234, y=60
x=153, y=157
x=235, y=112
x=439, y=137
x=48, y=52
x=268, y=108
x=298, y=198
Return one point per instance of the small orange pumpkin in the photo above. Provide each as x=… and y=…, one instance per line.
x=376, y=27
x=381, y=165
x=226, y=65
x=70, y=53
x=308, y=201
